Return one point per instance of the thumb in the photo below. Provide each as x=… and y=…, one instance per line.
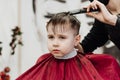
x=91, y=14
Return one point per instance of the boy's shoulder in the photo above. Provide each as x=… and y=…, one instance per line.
x=43, y=57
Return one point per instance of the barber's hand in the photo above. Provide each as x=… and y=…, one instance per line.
x=79, y=47
x=103, y=15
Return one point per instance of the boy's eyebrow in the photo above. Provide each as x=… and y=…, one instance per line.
x=61, y=34
x=50, y=34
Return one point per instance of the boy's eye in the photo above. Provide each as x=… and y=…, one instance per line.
x=50, y=37
x=62, y=37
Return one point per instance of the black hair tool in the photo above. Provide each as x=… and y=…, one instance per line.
x=74, y=12
x=84, y=10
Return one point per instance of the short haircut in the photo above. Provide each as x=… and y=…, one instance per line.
x=62, y=19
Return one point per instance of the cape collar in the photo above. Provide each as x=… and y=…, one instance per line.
x=69, y=55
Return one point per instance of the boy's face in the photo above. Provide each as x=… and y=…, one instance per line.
x=62, y=41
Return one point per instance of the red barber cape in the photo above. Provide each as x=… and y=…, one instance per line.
x=88, y=67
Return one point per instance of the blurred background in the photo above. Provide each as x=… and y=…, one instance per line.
x=30, y=17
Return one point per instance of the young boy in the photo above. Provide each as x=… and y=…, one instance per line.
x=63, y=62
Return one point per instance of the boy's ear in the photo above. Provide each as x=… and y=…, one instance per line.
x=77, y=40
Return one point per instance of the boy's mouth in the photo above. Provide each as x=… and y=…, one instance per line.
x=56, y=51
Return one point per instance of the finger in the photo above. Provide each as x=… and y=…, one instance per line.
x=91, y=14
x=93, y=6
x=88, y=8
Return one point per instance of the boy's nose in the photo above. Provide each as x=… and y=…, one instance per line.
x=55, y=43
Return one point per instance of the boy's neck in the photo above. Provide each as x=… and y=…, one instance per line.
x=69, y=55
